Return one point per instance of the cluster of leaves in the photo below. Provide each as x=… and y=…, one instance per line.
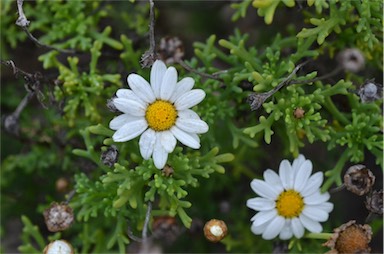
x=108, y=200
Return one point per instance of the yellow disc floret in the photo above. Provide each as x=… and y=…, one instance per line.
x=289, y=204
x=161, y=115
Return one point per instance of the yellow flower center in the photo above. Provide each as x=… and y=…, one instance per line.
x=289, y=204
x=161, y=115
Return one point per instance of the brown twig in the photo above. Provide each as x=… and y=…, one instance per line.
x=205, y=75
x=150, y=56
x=23, y=22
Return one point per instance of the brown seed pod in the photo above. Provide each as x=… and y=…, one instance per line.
x=359, y=179
x=58, y=217
x=58, y=247
x=215, y=230
x=374, y=202
x=350, y=238
x=167, y=171
x=62, y=185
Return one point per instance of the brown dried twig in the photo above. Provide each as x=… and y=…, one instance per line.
x=23, y=22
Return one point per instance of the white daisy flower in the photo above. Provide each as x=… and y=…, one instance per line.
x=289, y=202
x=159, y=112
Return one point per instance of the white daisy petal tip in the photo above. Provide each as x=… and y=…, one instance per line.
x=288, y=195
x=150, y=110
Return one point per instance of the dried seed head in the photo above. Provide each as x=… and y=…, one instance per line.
x=171, y=49
x=58, y=217
x=351, y=60
x=359, y=179
x=166, y=228
x=350, y=238
x=255, y=100
x=298, y=113
x=215, y=230
x=370, y=91
x=59, y=247
x=110, y=156
x=167, y=171
x=62, y=185
x=374, y=202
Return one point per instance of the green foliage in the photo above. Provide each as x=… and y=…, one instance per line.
x=308, y=109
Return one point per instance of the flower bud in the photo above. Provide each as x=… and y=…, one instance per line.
x=58, y=217
x=62, y=185
x=359, y=179
x=59, y=247
x=215, y=230
x=298, y=113
x=350, y=238
x=374, y=202
x=167, y=171
x=255, y=100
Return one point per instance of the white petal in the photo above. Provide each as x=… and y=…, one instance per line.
x=286, y=232
x=298, y=161
x=168, y=141
x=125, y=93
x=273, y=179
x=274, y=228
x=186, y=138
x=311, y=225
x=189, y=99
x=286, y=174
x=302, y=175
x=316, y=198
x=141, y=88
x=130, y=130
x=260, y=204
x=120, y=120
x=263, y=217
x=264, y=189
x=259, y=229
x=160, y=156
x=313, y=184
x=131, y=107
x=157, y=74
x=192, y=125
x=147, y=143
x=297, y=228
x=188, y=114
x=315, y=214
x=182, y=87
x=327, y=207
x=168, y=85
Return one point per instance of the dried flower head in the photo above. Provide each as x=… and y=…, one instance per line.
x=110, y=156
x=298, y=113
x=215, y=230
x=111, y=106
x=374, y=202
x=370, y=91
x=11, y=124
x=165, y=227
x=359, y=179
x=350, y=238
x=59, y=247
x=255, y=100
x=58, y=217
x=171, y=49
x=351, y=59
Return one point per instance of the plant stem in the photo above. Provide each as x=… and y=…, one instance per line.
x=330, y=106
